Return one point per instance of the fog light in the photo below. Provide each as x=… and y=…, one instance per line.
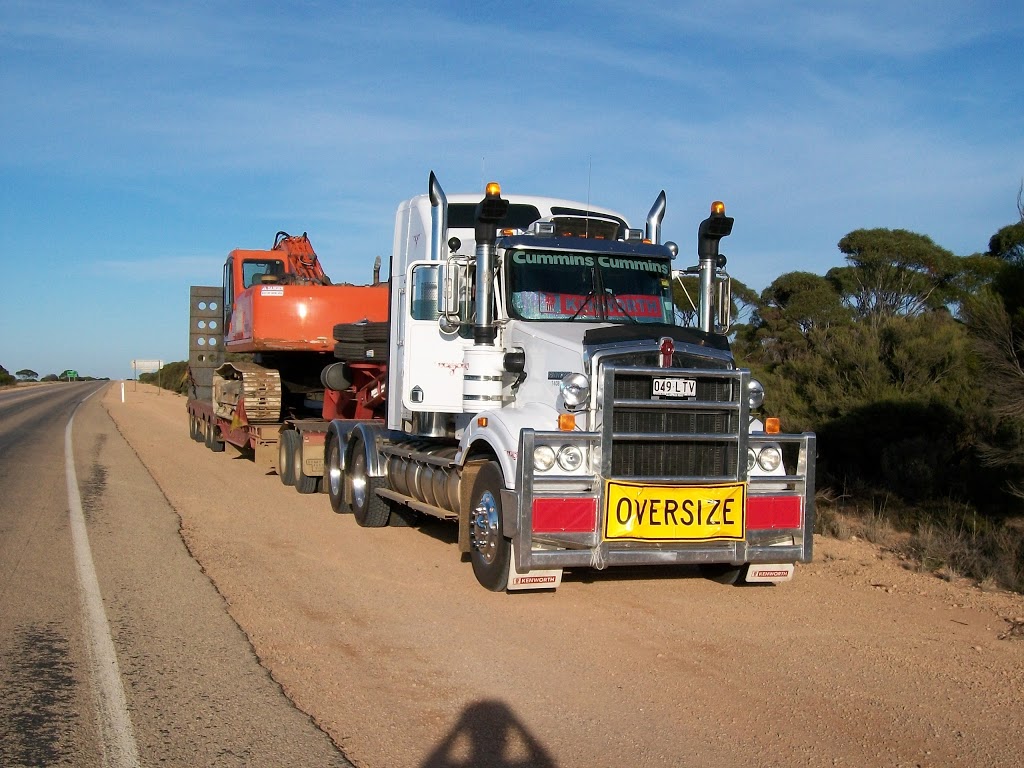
x=543, y=458
x=770, y=458
x=570, y=458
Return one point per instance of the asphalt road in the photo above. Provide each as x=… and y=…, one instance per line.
x=115, y=648
x=384, y=638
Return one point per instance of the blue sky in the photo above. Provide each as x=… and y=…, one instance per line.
x=142, y=141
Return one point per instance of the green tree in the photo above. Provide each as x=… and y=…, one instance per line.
x=27, y=374
x=172, y=376
x=995, y=318
x=6, y=379
x=894, y=272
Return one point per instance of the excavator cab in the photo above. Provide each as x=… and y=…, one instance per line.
x=261, y=271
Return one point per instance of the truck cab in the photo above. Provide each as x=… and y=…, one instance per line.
x=541, y=392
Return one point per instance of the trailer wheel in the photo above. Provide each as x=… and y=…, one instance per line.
x=723, y=573
x=286, y=456
x=211, y=440
x=303, y=482
x=369, y=509
x=193, y=428
x=334, y=477
x=490, y=551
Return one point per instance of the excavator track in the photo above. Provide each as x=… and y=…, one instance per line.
x=255, y=388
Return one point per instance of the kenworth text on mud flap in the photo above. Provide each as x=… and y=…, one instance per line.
x=533, y=383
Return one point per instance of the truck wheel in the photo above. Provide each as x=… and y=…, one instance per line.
x=723, y=573
x=490, y=551
x=333, y=476
x=303, y=483
x=369, y=509
x=286, y=456
x=197, y=427
x=211, y=440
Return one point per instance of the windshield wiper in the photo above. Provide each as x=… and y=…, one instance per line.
x=584, y=305
x=620, y=305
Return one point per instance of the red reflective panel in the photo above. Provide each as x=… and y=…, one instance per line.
x=765, y=512
x=564, y=515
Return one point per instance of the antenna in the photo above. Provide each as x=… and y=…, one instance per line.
x=483, y=172
x=590, y=173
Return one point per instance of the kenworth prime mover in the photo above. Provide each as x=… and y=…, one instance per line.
x=534, y=383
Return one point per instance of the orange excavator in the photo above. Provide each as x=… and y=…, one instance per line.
x=260, y=342
x=282, y=307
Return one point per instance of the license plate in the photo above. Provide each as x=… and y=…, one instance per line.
x=637, y=512
x=665, y=387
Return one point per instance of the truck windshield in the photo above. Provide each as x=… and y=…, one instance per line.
x=588, y=287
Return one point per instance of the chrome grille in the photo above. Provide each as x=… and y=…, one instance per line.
x=674, y=440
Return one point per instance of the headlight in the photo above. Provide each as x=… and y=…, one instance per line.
x=751, y=458
x=570, y=458
x=755, y=393
x=543, y=458
x=770, y=458
x=575, y=388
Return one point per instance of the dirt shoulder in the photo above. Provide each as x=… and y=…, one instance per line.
x=385, y=639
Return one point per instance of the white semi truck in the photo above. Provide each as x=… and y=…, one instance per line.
x=536, y=387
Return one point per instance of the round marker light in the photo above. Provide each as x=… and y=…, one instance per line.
x=575, y=388
x=543, y=458
x=570, y=458
x=751, y=458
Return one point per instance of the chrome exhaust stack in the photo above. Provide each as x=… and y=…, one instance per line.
x=438, y=218
x=654, y=219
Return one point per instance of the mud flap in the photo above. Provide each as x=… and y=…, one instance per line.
x=547, y=579
x=761, y=573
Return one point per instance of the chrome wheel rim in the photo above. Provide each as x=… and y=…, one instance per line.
x=484, y=533
x=334, y=472
x=357, y=477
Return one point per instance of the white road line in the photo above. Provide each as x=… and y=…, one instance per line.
x=117, y=738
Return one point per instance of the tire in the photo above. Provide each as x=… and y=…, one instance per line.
x=334, y=477
x=193, y=427
x=286, y=456
x=215, y=445
x=724, y=573
x=369, y=509
x=490, y=550
x=303, y=483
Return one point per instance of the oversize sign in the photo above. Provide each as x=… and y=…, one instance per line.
x=675, y=513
